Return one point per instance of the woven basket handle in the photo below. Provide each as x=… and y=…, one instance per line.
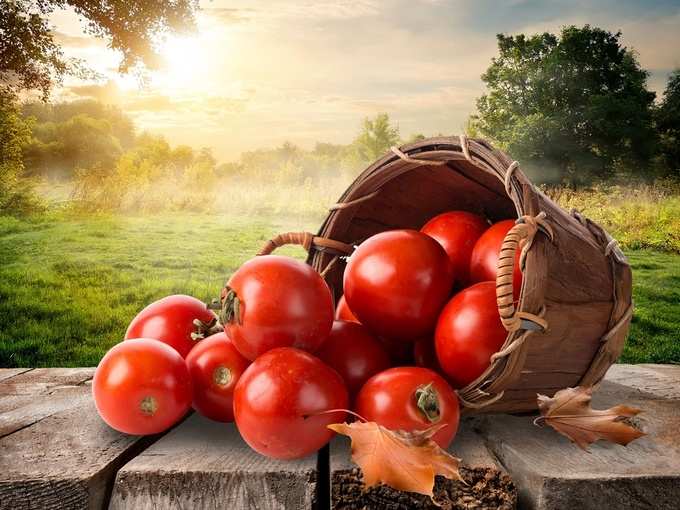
x=521, y=235
x=308, y=241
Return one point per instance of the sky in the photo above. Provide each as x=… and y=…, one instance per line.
x=260, y=72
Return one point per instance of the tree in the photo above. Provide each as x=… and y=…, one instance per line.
x=668, y=124
x=79, y=134
x=15, y=195
x=31, y=59
x=576, y=103
x=376, y=138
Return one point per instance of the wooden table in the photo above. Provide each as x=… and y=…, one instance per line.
x=55, y=452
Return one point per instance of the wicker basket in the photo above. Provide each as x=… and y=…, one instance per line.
x=575, y=305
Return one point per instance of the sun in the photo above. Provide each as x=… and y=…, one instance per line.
x=186, y=64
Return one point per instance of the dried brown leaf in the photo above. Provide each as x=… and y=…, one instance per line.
x=406, y=461
x=570, y=414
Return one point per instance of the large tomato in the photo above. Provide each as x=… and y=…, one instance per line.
x=457, y=232
x=354, y=354
x=179, y=321
x=410, y=398
x=342, y=311
x=396, y=283
x=142, y=386
x=468, y=332
x=274, y=301
x=215, y=367
x=484, y=259
x=280, y=400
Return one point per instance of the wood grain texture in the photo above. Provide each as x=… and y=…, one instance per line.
x=57, y=452
x=6, y=373
x=206, y=465
x=34, y=395
x=551, y=472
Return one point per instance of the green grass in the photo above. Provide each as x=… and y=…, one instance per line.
x=69, y=285
x=655, y=330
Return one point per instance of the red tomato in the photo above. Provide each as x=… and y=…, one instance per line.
x=468, y=332
x=278, y=401
x=396, y=283
x=354, y=353
x=425, y=355
x=457, y=232
x=172, y=321
x=484, y=260
x=215, y=367
x=142, y=386
x=343, y=313
x=282, y=302
x=410, y=398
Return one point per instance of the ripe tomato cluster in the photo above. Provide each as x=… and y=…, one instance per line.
x=417, y=320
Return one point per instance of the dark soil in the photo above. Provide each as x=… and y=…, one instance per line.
x=486, y=488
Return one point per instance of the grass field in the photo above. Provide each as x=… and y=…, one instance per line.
x=69, y=286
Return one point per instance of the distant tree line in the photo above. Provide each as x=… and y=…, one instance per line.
x=575, y=108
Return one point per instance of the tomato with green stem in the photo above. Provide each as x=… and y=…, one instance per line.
x=142, y=386
x=273, y=301
x=215, y=367
x=410, y=398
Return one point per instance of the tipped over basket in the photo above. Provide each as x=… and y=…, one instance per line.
x=575, y=307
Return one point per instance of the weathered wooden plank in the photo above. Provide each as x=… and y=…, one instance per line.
x=31, y=396
x=6, y=373
x=206, y=465
x=657, y=381
x=551, y=472
x=63, y=456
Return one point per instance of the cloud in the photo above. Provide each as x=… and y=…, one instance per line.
x=74, y=41
x=229, y=15
x=107, y=93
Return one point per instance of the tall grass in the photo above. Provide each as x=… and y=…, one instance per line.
x=640, y=216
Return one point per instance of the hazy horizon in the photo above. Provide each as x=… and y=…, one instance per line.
x=258, y=73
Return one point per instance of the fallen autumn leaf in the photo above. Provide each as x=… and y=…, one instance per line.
x=570, y=414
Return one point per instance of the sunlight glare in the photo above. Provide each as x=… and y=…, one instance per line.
x=187, y=64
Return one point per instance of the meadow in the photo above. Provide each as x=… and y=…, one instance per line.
x=70, y=283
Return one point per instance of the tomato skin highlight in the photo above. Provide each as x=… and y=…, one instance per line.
x=484, y=258
x=342, y=311
x=457, y=232
x=215, y=367
x=396, y=282
x=354, y=353
x=283, y=303
x=389, y=399
x=170, y=320
x=278, y=399
x=469, y=332
x=141, y=386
